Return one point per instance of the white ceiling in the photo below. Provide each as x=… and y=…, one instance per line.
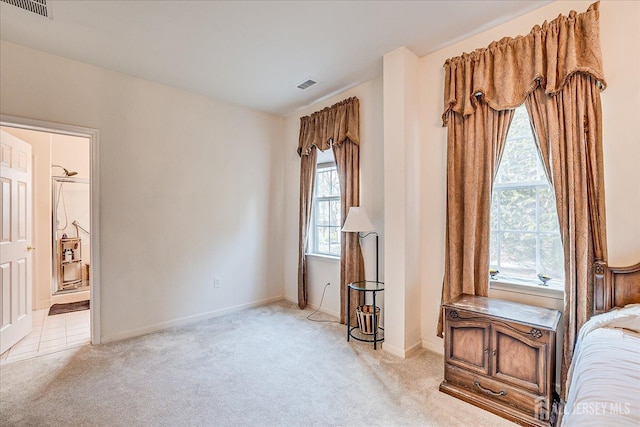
x=252, y=53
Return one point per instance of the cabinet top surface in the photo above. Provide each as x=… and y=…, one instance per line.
x=531, y=315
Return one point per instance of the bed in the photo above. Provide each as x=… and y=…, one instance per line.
x=604, y=377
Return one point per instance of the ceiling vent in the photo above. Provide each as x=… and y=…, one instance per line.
x=306, y=84
x=39, y=7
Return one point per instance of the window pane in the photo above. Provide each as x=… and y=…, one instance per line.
x=518, y=209
x=518, y=254
x=493, y=253
x=551, y=256
x=334, y=235
x=322, y=213
x=323, y=240
x=525, y=238
x=335, y=212
x=520, y=158
x=335, y=183
x=548, y=212
x=495, y=197
x=323, y=184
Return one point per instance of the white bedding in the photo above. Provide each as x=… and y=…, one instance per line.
x=604, y=378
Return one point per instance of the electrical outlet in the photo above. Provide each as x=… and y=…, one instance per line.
x=217, y=282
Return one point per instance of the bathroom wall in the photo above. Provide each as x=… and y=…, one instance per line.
x=72, y=153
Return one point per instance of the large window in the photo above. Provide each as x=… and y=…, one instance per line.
x=325, y=218
x=525, y=238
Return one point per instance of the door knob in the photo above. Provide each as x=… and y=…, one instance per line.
x=30, y=248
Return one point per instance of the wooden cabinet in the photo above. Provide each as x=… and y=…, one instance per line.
x=500, y=356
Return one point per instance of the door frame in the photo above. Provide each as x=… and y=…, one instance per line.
x=93, y=136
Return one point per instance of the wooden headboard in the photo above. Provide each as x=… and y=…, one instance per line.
x=615, y=286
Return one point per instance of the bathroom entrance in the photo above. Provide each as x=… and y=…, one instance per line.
x=60, y=246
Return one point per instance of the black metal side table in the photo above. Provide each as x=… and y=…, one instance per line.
x=364, y=287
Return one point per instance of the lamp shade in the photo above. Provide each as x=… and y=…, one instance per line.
x=357, y=221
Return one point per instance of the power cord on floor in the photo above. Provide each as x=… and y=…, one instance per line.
x=320, y=306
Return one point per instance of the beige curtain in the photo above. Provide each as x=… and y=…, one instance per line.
x=351, y=262
x=568, y=127
x=557, y=69
x=307, y=180
x=337, y=126
x=475, y=145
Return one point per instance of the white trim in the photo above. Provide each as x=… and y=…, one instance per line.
x=187, y=320
x=314, y=307
x=433, y=347
x=402, y=353
x=93, y=136
x=527, y=289
x=322, y=257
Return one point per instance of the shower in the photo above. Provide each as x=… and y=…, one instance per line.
x=66, y=171
x=70, y=240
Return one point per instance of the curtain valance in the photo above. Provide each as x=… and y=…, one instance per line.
x=332, y=125
x=504, y=73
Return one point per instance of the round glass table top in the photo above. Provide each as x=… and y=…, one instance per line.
x=367, y=285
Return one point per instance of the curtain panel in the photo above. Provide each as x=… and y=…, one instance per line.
x=474, y=148
x=307, y=184
x=568, y=131
x=556, y=70
x=503, y=74
x=336, y=127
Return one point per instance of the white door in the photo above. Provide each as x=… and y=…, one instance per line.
x=15, y=240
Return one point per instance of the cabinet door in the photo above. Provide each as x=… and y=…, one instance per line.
x=467, y=343
x=520, y=357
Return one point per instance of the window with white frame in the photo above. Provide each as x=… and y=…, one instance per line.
x=325, y=217
x=525, y=237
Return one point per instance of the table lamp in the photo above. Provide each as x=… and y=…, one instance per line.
x=358, y=222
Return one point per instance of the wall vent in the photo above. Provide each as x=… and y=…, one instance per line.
x=306, y=84
x=39, y=7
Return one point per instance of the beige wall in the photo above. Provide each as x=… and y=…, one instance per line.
x=620, y=40
x=401, y=186
x=322, y=271
x=189, y=188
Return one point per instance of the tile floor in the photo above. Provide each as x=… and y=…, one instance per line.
x=51, y=334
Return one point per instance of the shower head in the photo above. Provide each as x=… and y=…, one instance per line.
x=66, y=172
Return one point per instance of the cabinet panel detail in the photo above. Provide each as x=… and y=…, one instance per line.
x=468, y=345
x=500, y=359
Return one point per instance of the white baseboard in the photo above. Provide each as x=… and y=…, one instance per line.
x=436, y=348
x=70, y=297
x=313, y=307
x=402, y=353
x=186, y=320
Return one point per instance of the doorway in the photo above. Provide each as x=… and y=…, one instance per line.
x=64, y=245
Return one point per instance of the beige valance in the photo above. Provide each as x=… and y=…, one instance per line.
x=332, y=125
x=504, y=73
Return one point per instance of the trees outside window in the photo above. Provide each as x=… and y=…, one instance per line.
x=525, y=237
x=325, y=220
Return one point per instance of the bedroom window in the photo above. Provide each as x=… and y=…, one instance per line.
x=325, y=218
x=525, y=237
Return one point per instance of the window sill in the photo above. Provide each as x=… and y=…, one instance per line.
x=514, y=285
x=322, y=257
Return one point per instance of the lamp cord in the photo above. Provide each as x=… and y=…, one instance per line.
x=320, y=306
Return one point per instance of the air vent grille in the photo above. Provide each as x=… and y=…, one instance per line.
x=39, y=7
x=306, y=84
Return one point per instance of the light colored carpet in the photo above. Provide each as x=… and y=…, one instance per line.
x=267, y=366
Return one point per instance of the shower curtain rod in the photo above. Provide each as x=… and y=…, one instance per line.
x=80, y=227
